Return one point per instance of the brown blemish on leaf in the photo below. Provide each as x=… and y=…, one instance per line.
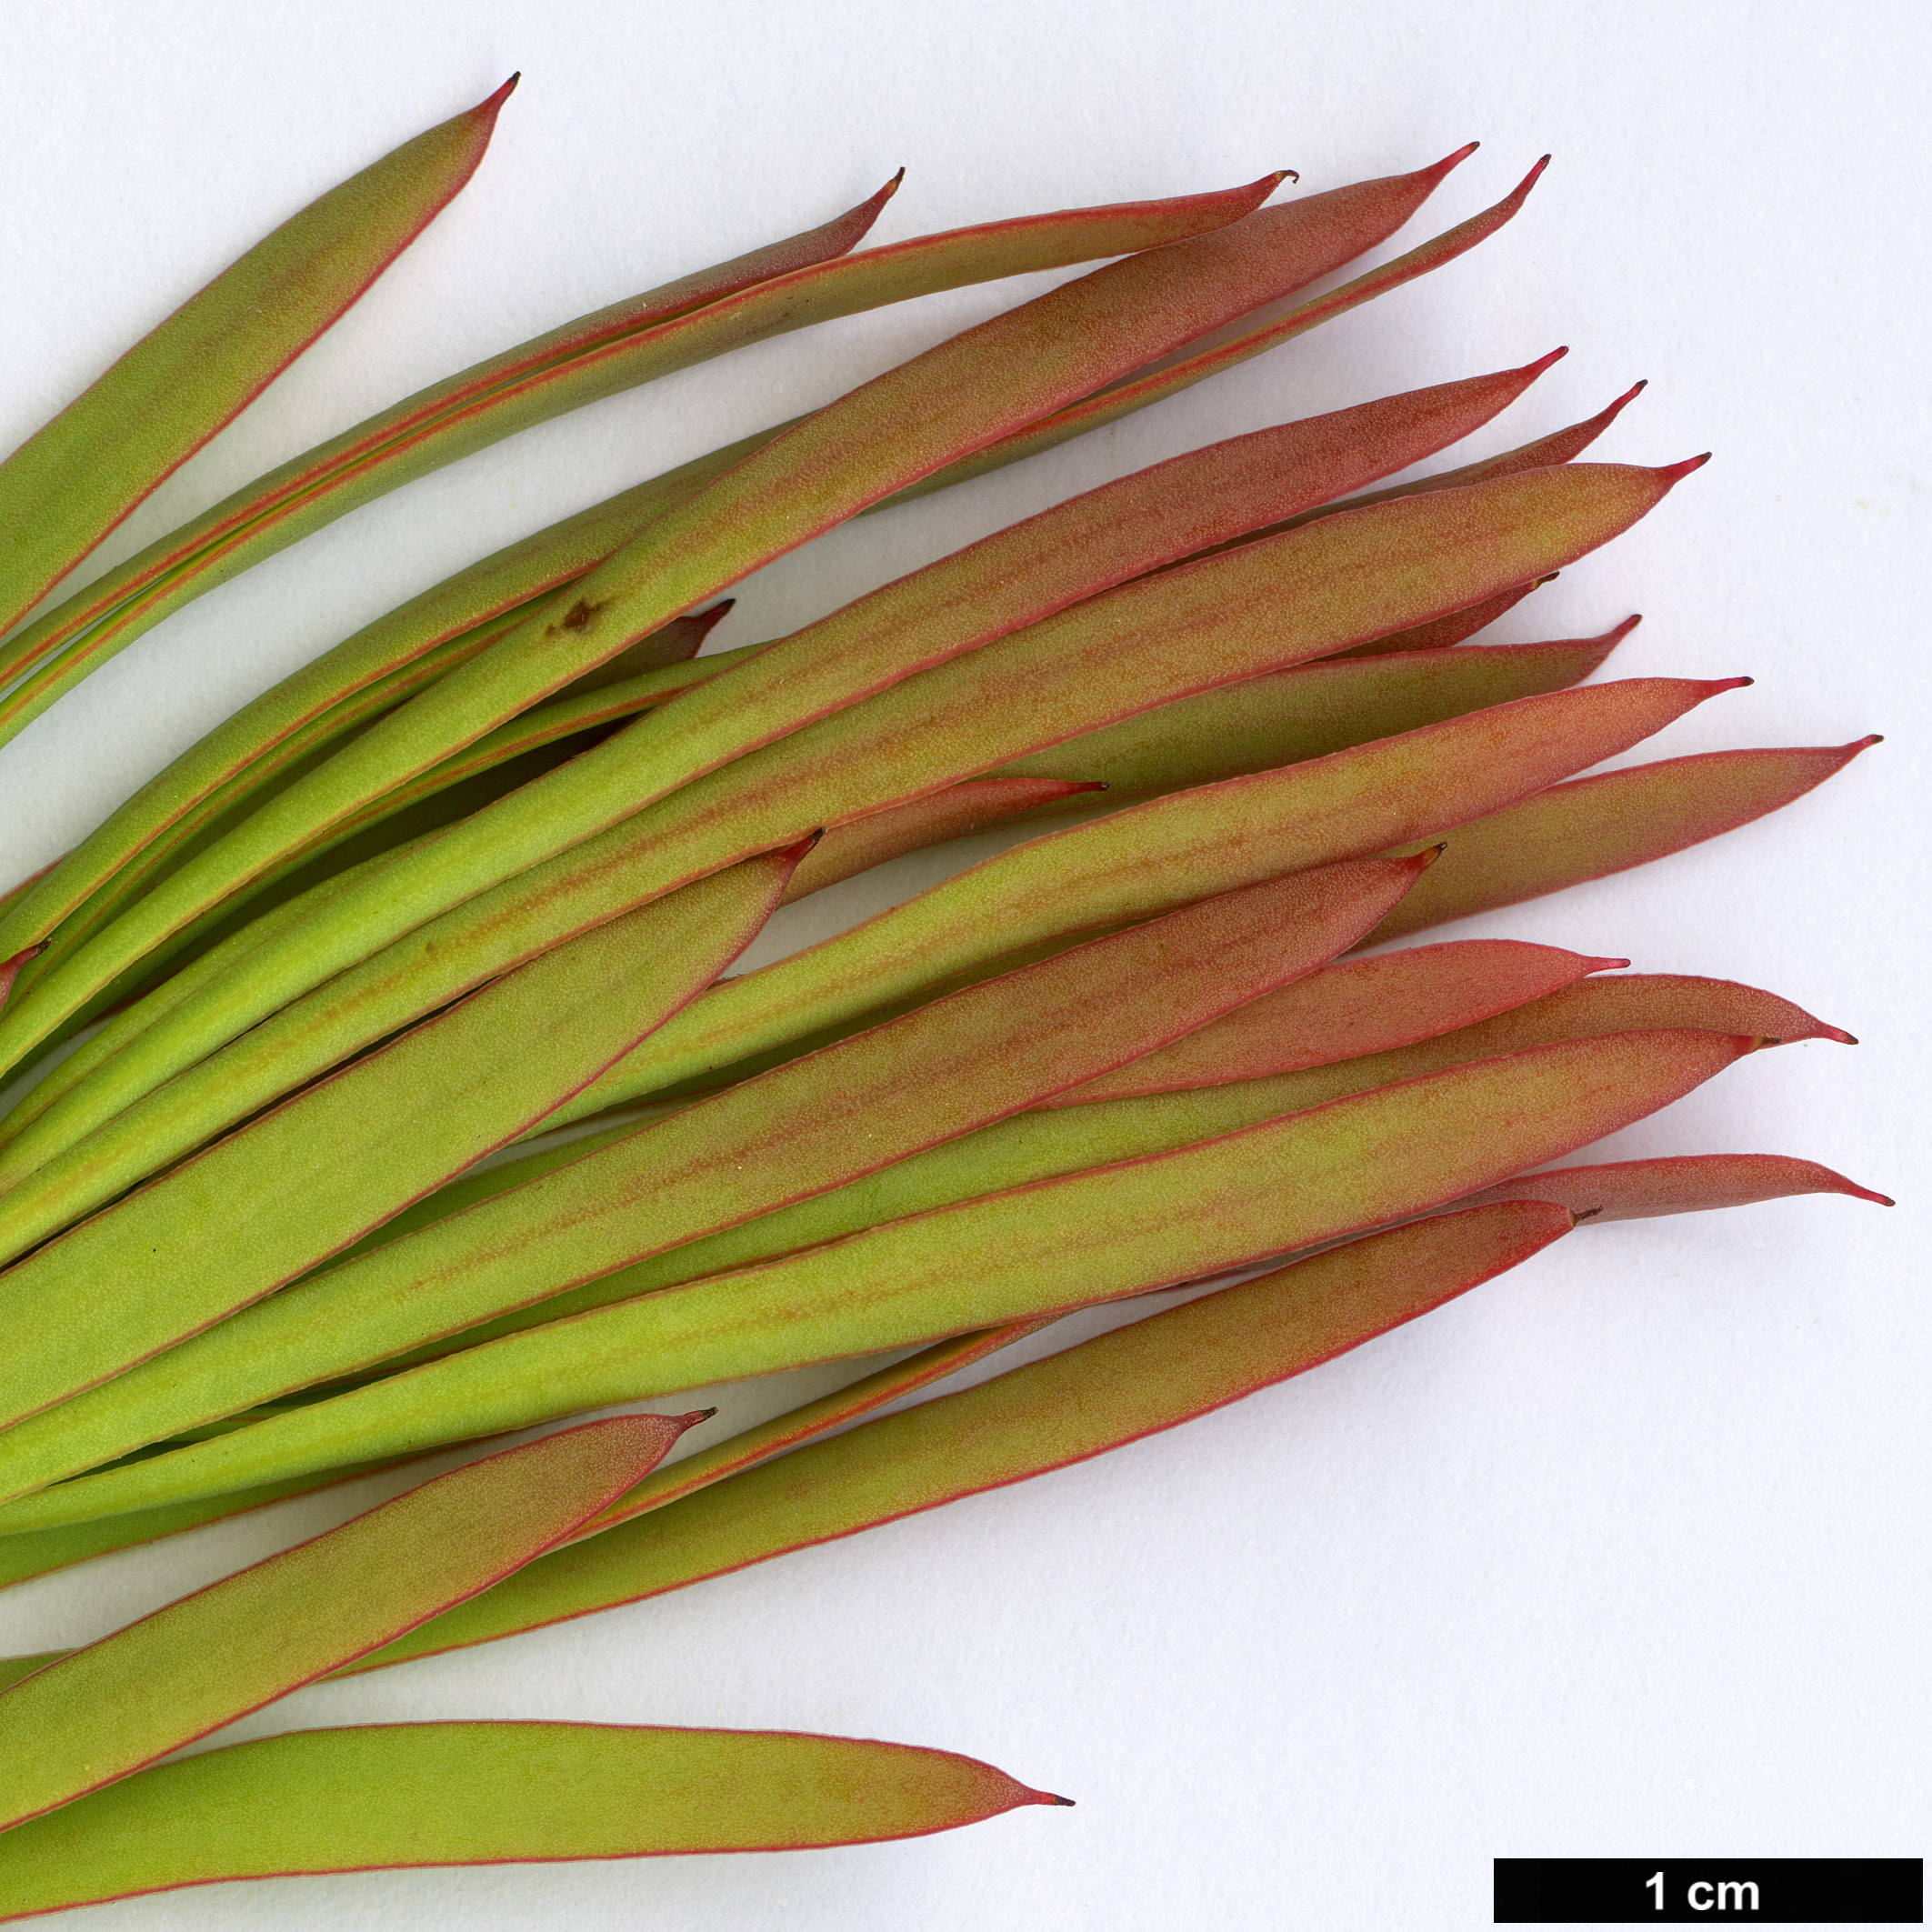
x=580, y=614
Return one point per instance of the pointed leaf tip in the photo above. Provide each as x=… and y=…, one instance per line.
x=1675, y=473
x=1517, y=195
x=1605, y=966
x=493, y=106
x=1534, y=369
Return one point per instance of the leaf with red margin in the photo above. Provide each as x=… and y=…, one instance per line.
x=1151, y=1375
x=1284, y=717
x=106, y=1710
x=446, y=626
x=304, y=1180
x=380, y=1797
x=1594, y=826
x=1143, y=644
x=819, y=1122
x=1095, y=1236
x=68, y=485
x=1139, y=862
x=1122, y=397
x=1634, y=1190
x=1355, y=1008
x=766, y=293
x=1443, y=632
x=36, y=1553
x=860, y=844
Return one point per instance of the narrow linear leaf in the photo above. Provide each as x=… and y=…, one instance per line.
x=1563, y=445
x=198, y=974
x=1151, y=1375
x=1021, y=574
x=1284, y=718
x=371, y=672
x=1007, y=580
x=23, y=1559
x=1634, y=1190
x=66, y=488
x=36, y=1553
x=1595, y=827
x=1122, y=397
x=1142, y=644
x=368, y=1796
x=103, y=1711
x=860, y=844
x=764, y=294
x=1344, y=1011
x=1097, y=1236
x=1053, y=1141
x=954, y=1065
x=1453, y=629
x=1140, y=862
x=299, y=1183
x=266, y=746
x=1355, y=1008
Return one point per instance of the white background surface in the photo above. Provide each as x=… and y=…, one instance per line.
x=1622, y=1554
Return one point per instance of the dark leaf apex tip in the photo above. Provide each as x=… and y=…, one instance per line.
x=1674, y=472
x=1527, y=182
x=496, y=101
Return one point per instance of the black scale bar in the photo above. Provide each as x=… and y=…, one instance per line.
x=1710, y=1891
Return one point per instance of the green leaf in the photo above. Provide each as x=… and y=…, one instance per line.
x=1151, y=1375
x=1140, y=862
x=1151, y=640
x=958, y=1064
x=374, y=1795
x=103, y=1711
x=772, y=290
x=1095, y=1235
x=1284, y=718
x=302, y=1181
x=67, y=487
x=1595, y=826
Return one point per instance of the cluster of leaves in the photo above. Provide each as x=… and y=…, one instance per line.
x=477, y=873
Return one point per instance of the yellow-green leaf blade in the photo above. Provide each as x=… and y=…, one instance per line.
x=382, y=1796
x=66, y=488
x=103, y=1711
